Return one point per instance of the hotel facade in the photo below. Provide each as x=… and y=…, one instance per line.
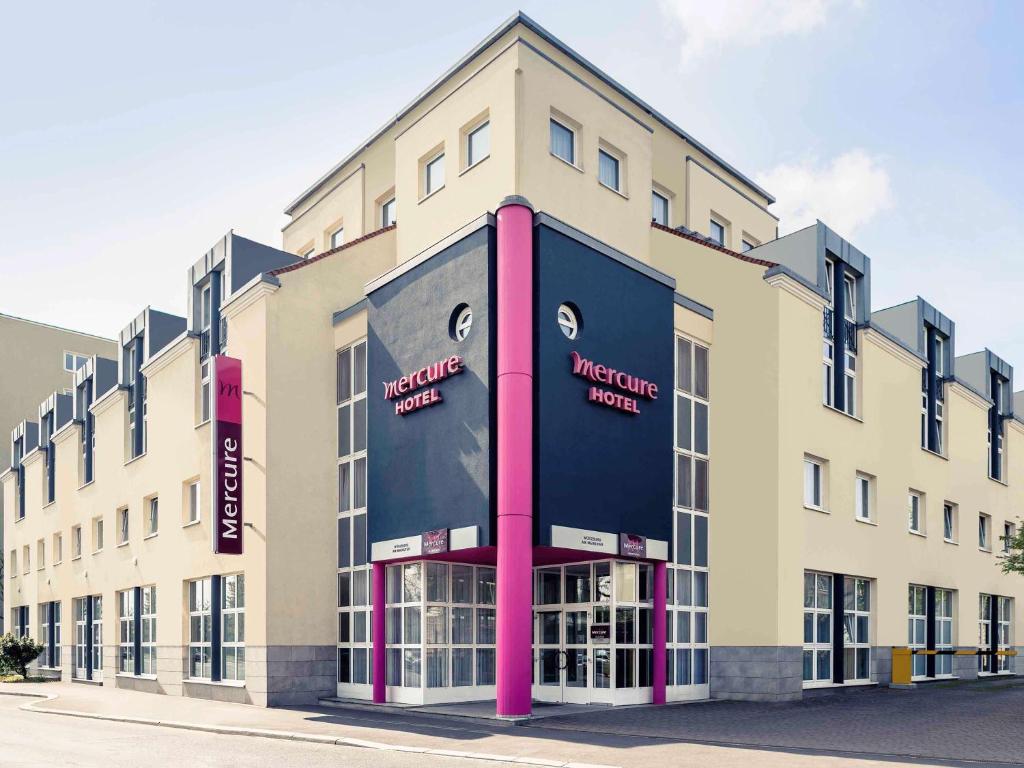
x=531, y=404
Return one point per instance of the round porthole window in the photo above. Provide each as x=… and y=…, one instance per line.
x=569, y=320
x=460, y=323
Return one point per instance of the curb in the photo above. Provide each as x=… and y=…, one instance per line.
x=312, y=738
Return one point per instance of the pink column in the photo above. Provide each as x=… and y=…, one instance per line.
x=515, y=458
x=380, y=693
x=660, y=605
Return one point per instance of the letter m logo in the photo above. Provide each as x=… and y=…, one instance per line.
x=229, y=390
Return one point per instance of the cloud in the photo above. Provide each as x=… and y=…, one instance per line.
x=845, y=193
x=709, y=27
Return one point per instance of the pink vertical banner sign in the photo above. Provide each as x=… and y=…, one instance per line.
x=227, y=455
x=659, y=652
x=377, y=630
x=514, y=266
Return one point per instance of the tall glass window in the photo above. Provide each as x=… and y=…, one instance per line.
x=687, y=617
x=817, y=655
x=943, y=631
x=917, y=622
x=354, y=598
x=200, y=634
x=856, y=629
x=232, y=635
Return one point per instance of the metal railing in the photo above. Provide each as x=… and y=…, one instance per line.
x=903, y=665
x=847, y=327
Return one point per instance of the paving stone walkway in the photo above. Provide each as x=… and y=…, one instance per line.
x=978, y=721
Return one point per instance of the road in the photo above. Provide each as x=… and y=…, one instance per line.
x=34, y=740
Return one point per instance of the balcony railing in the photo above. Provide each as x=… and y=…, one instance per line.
x=204, y=344
x=849, y=329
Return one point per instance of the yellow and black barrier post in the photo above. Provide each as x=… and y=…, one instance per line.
x=903, y=660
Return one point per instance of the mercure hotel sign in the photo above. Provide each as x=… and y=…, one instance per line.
x=408, y=391
x=630, y=388
x=227, y=455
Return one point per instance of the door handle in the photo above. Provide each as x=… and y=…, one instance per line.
x=564, y=660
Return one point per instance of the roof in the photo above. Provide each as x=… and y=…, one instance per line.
x=521, y=18
x=689, y=234
x=325, y=254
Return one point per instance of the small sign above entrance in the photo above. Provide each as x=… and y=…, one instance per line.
x=600, y=633
x=435, y=542
x=631, y=545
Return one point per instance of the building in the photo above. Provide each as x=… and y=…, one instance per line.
x=459, y=443
x=41, y=358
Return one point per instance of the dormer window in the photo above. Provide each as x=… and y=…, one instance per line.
x=850, y=296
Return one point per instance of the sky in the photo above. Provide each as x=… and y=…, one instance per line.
x=133, y=135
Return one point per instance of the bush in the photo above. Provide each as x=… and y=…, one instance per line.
x=16, y=653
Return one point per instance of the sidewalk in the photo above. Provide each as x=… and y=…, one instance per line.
x=566, y=746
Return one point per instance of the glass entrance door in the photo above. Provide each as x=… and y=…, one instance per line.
x=562, y=655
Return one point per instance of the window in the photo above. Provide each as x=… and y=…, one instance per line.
x=717, y=232
x=828, y=380
x=233, y=627
x=40, y=555
x=152, y=516
x=915, y=512
x=659, y=209
x=338, y=237
x=984, y=532
x=688, y=578
x=25, y=560
x=850, y=297
x=856, y=629
x=850, y=380
x=917, y=622
x=387, y=213
x=49, y=634
x=949, y=522
x=863, y=490
x=73, y=361
x=192, y=502
x=478, y=144
x=20, y=621
x=308, y=252
x=76, y=542
x=1004, y=630
x=608, y=170
x=58, y=548
x=817, y=650
x=568, y=321
x=126, y=634
x=147, y=630
x=563, y=142
x=433, y=174
x=122, y=526
x=943, y=631
x=354, y=581
x=813, y=484
x=1007, y=537
x=746, y=245
x=200, y=634
x=97, y=534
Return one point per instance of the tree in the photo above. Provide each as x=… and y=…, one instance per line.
x=1014, y=560
x=16, y=653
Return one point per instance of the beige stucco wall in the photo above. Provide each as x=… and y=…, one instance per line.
x=302, y=438
x=518, y=80
x=34, y=368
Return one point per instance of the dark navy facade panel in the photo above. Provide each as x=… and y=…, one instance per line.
x=432, y=468
x=598, y=468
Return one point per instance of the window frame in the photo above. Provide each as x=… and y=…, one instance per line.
x=232, y=614
x=916, y=512
x=720, y=237
x=431, y=163
x=984, y=532
x=573, y=141
x=123, y=526
x=386, y=207
x=815, y=483
x=950, y=512
x=483, y=124
x=657, y=196
x=607, y=158
x=812, y=618
x=334, y=240
x=864, y=488
x=152, y=517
